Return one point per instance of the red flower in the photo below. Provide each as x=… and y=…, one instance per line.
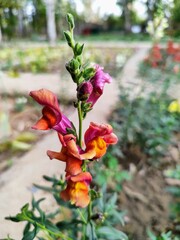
x=52, y=116
x=170, y=48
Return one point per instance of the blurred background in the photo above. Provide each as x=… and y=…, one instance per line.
x=45, y=19
x=138, y=44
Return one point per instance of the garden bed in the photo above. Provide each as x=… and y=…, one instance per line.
x=51, y=59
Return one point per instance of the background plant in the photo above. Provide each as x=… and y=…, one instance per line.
x=145, y=122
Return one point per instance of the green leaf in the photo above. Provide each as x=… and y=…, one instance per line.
x=112, y=233
x=112, y=162
x=35, y=205
x=90, y=231
x=151, y=235
x=65, y=224
x=47, y=189
x=88, y=73
x=30, y=235
x=117, y=216
x=112, y=202
x=27, y=228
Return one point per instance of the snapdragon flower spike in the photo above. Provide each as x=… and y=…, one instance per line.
x=98, y=81
x=52, y=116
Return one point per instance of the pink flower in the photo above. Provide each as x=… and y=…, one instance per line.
x=98, y=81
x=52, y=116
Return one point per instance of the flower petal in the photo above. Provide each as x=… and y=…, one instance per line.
x=96, y=130
x=82, y=177
x=45, y=98
x=57, y=155
x=77, y=193
x=98, y=81
x=73, y=166
x=70, y=141
x=47, y=121
x=95, y=149
x=63, y=125
x=110, y=139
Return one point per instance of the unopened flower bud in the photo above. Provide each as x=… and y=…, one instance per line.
x=78, y=49
x=69, y=38
x=84, y=91
x=72, y=66
x=70, y=20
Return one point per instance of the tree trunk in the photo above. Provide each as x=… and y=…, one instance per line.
x=20, y=23
x=51, y=24
x=127, y=18
x=149, y=11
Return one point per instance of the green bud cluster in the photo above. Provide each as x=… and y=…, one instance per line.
x=78, y=72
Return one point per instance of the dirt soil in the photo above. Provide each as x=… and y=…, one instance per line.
x=147, y=203
x=145, y=197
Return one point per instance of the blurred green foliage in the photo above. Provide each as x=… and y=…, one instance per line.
x=50, y=59
x=163, y=236
x=145, y=122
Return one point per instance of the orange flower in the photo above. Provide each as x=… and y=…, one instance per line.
x=97, y=138
x=77, y=189
x=69, y=154
x=77, y=181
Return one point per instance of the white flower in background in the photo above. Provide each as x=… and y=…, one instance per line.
x=156, y=27
x=120, y=60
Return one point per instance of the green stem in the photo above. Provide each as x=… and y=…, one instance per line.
x=84, y=232
x=43, y=228
x=89, y=211
x=82, y=217
x=84, y=225
x=80, y=123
